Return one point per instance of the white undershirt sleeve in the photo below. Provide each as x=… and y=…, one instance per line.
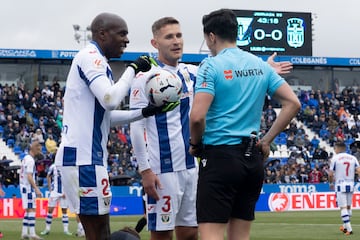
x=139, y=144
x=119, y=117
x=110, y=96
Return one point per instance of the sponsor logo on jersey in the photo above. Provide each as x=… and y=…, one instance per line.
x=228, y=74
x=248, y=72
x=86, y=192
x=150, y=209
x=97, y=62
x=135, y=92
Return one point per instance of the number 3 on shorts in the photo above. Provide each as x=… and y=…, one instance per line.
x=167, y=204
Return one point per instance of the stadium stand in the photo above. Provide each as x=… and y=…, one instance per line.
x=304, y=146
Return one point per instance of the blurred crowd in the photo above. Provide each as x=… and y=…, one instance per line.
x=26, y=115
x=330, y=116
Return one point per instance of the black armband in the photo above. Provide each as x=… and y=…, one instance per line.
x=198, y=145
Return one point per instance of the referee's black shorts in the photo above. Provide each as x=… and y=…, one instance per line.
x=229, y=184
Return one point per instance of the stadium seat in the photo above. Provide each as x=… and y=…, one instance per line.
x=1, y=130
x=43, y=150
x=17, y=150
x=283, y=141
x=22, y=155
x=10, y=142
x=283, y=135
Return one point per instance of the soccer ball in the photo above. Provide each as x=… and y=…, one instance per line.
x=163, y=87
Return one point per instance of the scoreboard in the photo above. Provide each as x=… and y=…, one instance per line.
x=265, y=32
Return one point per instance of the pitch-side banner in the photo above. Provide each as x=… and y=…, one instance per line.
x=12, y=207
x=278, y=202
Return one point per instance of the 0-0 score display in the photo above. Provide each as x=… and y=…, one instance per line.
x=265, y=32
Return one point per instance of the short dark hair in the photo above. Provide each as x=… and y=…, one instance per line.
x=126, y=233
x=340, y=144
x=157, y=25
x=222, y=23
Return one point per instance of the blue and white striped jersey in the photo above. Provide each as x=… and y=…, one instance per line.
x=55, y=175
x=344, y=167
x=86, y=123
x=27, y=166
x=167, y=134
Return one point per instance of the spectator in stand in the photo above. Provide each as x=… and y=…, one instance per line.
x=324, y=133
x=354, y=107
x=299, y=141
x=332, y=122
x=11, y=95
x=355, y=149
x=113, y=137
x=316, y=125
x=22, y=139
x=353, y=130
x=341, y=112
x=19, y=98
x=47, y=92
x=292, y=128
x=306, y=141
x=269, y=176
x=321, y=153
x=287, y=178
x=121, y=136
x=38, y=136
x=313, y=102
x=9, y=132
x=339, y=134
x=308, y=115
x=303, y=174
x=59, y=119
x=3, y=120
x=315, y=142
x=133, y=174
x=294, y=176
x=51, y=145
x=270, y=114
x=315, y=175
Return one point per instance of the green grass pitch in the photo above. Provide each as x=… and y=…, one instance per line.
x=305, y=225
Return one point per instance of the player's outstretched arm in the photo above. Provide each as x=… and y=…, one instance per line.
x=110, y=96
x=280, y=67
x=119, y=117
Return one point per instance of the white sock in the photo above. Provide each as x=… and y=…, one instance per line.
x=31, y=218
x=65, y=221
x=25, y=225
x=48, y=221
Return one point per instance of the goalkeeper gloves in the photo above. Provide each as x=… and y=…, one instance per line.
x=143, y=64
x=151, y=110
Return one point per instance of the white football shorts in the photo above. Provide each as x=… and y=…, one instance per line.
x=177, y=204
x=87, y=189
x=28, y=198
x=56, y=198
